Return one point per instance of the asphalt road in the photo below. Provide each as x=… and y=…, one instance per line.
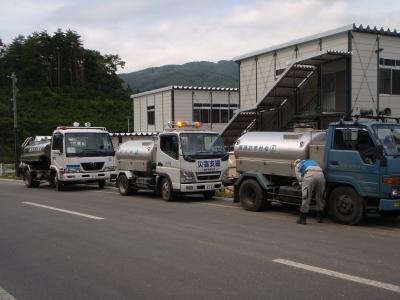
x=139, y=247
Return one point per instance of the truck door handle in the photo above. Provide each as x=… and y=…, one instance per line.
x=160, y=164
x=334, y=162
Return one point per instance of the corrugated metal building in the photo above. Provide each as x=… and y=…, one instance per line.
x=213, y=106
x=319, y=78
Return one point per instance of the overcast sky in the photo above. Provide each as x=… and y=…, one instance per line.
x=148, y=33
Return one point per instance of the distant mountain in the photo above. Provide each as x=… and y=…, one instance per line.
x=203, y=73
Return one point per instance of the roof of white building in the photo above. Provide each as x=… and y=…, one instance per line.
x=347, y=28
x=185, y=87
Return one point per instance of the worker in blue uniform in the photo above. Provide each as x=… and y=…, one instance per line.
x=312, y=181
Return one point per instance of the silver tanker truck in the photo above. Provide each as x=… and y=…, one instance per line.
x=71, y=155
x=175, y=161
x=360, y=166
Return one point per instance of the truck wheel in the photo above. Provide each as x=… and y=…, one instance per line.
x=209, y=194
x=166, y=190
x=28, y=179
x=252, y=196
x=59, y=185
x=346, y=206
x=102, y=184
x=123, y=185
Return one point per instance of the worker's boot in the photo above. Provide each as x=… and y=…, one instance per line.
x=319, y=217
x=302, y=219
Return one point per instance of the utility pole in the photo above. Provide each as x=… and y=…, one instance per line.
x=128, y=125
x=14, y=101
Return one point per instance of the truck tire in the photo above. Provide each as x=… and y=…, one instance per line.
x=166, y=190
x=59, y=185
x=28, y=179
x=123, y=185
x=252, y=196
x=346, y=206
x=209, y=195
x=102, y=184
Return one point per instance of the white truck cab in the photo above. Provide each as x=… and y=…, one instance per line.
x=82, y=154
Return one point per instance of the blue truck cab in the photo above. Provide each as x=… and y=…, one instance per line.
x=362, y=169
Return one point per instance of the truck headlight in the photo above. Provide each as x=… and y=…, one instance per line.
x=187, y=176
x=72, y=170
x=395, y=191
x=109, y=169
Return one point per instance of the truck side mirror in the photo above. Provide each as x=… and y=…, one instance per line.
x=379, y=154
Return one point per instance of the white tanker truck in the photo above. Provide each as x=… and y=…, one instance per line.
x=72, y=155
x=176, y=161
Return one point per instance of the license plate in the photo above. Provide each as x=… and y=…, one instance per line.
x=396, y=204
x=209, y=186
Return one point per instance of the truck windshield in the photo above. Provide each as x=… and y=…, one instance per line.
x=199, y=145
x=88, y=144
x=389, y=135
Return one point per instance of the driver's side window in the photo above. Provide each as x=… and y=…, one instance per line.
x=169, y=145
x=355, y=139
x=57, y=142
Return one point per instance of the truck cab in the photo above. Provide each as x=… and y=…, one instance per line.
x=193, y=162
x=81, y=154
x=362, y=169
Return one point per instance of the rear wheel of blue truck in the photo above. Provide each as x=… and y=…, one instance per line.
x=252, y=196
x=346, y=206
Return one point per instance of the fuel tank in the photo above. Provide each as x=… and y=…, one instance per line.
x=275, y=152
x=36, y=150
x=137, y=150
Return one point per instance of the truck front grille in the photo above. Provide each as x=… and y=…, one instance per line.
x=208, y=176
x=92, y=166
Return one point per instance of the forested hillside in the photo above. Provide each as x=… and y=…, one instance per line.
x=59, y=82
x=203, y=73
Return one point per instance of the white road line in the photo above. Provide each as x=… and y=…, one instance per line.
x=4, y=295
x=64, y=211
x=382, y=285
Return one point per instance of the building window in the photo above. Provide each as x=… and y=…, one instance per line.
x=150, y=115
x=389, y=81
x=219, y=113
x=384, y=81
x=395, y=82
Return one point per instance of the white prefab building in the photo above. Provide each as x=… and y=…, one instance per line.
x=214, y=107
x=319, y=78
